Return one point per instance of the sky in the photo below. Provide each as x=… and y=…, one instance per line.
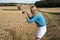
x=19, y=1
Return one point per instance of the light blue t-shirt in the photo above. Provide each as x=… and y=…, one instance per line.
x=38, y=19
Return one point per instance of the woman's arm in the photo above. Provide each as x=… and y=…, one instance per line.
x=33, y=19
x=26, y=16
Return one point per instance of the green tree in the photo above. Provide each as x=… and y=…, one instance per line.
x=48, y=3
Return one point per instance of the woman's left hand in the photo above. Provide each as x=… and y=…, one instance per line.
x=25, y=13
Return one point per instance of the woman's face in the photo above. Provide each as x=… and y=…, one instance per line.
x=33, y=10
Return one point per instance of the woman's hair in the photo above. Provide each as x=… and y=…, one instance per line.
x=31, y=8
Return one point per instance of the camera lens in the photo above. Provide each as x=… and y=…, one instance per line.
x=22, y=12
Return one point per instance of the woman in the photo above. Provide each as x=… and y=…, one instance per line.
x=38, y=19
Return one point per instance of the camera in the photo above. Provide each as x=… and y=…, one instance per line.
x=23, y=12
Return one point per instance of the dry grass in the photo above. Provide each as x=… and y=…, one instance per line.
x=13, y=25
x=52, y=10
x=15, y=22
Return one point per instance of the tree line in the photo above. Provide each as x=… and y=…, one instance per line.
x=8, y=4
x=48, y=3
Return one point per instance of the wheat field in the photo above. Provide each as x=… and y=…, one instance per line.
x=13, y=25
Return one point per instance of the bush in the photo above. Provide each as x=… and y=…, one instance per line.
x=48, y=3
x=41, y=4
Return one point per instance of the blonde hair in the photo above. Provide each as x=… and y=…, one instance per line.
x=34, y=9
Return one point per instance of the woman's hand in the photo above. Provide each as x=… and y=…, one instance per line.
x=25, y=13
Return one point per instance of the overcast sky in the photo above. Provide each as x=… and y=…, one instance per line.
x=19, y=1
